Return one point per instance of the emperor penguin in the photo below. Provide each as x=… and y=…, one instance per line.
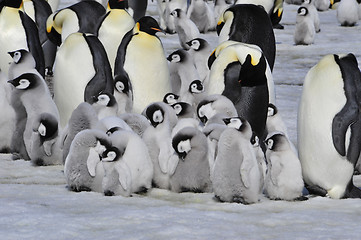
x=46, y=145
x=236, y=175
x=139, y=8
x=136, y=157
x=112, y=27
x=322, y=5
x=141, y=47
x=347, y=13
x=111, y=124
x=7, y=121
x=266, y=4
x=165, y=7
x=248, y=23
x=191, y=173
x=196, y=93
x=83, y=169
x=241, y=73
x=182, y=71
x=18, y=31
x=137, y=122
x=54, y=4
x=276, y=14
x=72, y=88
x=123, y=94
x=34, y=95
x=184, y=110
x=219, y=7
x=312, y=10
x=82, y=17
x=105, y=105
x=284, y=174
x=261, y=160
x=170, y=98
x=200, y=50
x=202, y=15
x=185, y=28
x=83, y=117
x=305, y=29
x=159, y=141
x=328, y=117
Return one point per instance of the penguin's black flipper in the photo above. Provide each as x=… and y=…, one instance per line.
x=352, y=191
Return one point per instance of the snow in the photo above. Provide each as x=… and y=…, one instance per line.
x=35, y=203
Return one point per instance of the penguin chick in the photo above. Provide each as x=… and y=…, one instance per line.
x=182, y=71
x=185, y=28
x=202, y=15
x=347, y=13
x=112, y=122
x=170, y=98
x=159, y=142
x=184, y=110
x=137, y=160
x=123, y=94
x=236, y=175
x=191, y=173
x=195, y=93
x=83, y=169
x=284, y=175
x=305, y=29
x=313, y=12
x=261, y=160
x=23, y=62
x=137, y=122
x=105, y=105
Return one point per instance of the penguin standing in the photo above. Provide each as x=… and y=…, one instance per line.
x=202, y=15
x=322, y=5
x=113, y=26
x=305, y=29
x=77, y=81
x=18, y=31
x=195, y=93
x=313, y=12
x=284, y=173
x=347, y=13
x=236, y=175
x=165, y=7
x=191, y=173
x=140, y=47
x=250, y=24
x=328, y=119
x=185, y=28
x=83, y=169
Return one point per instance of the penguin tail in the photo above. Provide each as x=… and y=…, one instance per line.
x=352, y=191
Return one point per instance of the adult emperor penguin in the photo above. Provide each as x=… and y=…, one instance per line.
x=18, y=31
x=113, y=26
x=347, y=13
x=328, y=117
x=81, y=17
x=185, y=28
x=72, y=88
x=236, y=175
x=202, y=15
x=141, y=48
x=136, y=157
x=250, y=24
x=83, y=169
x=182, y=71
x=191, y=173
x=159, y=142
x=241, y=73
x=284, y=174
x=34, y=95
x=276, y=14
x=305, y=29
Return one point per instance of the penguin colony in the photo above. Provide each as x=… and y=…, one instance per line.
x=125, y=117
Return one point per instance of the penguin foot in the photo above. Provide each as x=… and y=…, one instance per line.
x=108, y=193
x=301, y=198
x=38, y=162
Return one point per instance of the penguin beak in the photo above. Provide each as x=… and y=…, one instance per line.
x=219, y=27
x=226, y=121
x=12, y=82
x=189, y=43
x=169, y=58
x=279, y=13
x=211, y=59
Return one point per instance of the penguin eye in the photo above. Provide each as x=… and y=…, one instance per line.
x=270, y=144
x=42, y=130
x=158, y=116
x=23, y=84
x=177, y=108
x=17, y=57
x=103, y=99
x=119, y=86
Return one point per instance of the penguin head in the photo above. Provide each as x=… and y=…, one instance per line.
x=148, y=25
x=13, y=3
x=122, y=85
x=104, y=99
x=205, y=111
x=112, y=154
x=254, y=140
x=302, y=11
x=155, y=114
x=177, y=56
x=53, y=31
x=46, y=126
x=252, y=73
x=236, y=123
x=197, y=44
x=307, y=1
x=113, y=130
x=21, y=55
x=272, y=110
x=170, y=98
x=196, y=86
x=182, y=109
x=182, y=145
x=118, y=4
x=25, y=81
x=227, y=15
x=276, y=141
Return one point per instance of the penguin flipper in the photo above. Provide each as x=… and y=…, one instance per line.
x=354, y=148
x=92, y=161
x=125, y=178
x=316, y=190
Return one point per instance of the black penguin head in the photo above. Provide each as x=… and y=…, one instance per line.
x=182, y=145
x=202, y=110
x=197, y=44
x=253, y=74
x=170, y=98
x=254, y=139
x=25, y=81
x=176, y=13
x=272, y=110
x=19, y=55
x=47, y=127
x=112, y=154
x=148, y=25
x=307, y=1
x=196, y=86
x=276, y=141
x=155, y=114
x=226, y=16
x=177, y=56
x=236, y=122
x=52, y=33
x=118, y=4
x=122, y=84
x=182, y=108
x=113, y=130
x=211, y=59
x=13, y=3
x=302, y=11
x=104, y=99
